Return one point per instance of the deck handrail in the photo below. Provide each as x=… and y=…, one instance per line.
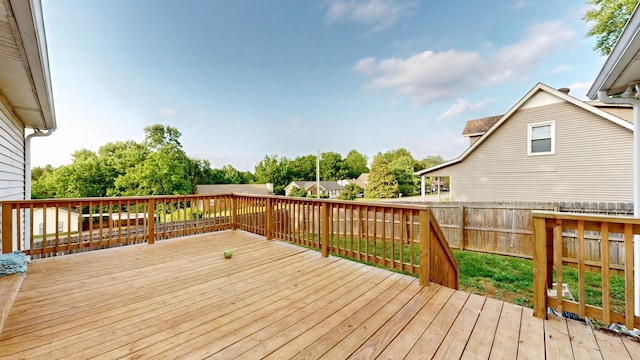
x=548, y=260
x=402, y=237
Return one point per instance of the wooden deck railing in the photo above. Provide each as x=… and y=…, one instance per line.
x=383, y=234
x=404, y=238
x=549, y=253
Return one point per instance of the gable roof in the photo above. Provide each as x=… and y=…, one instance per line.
x=538, y=88
x=215, y=189
x=478, y=127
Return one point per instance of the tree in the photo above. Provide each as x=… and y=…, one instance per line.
x=428, y=162
x=355, y=164
x=159, y=136
x=231, y=175
x=392, y=155
x=402, y=168
x=303, y=168
x=331, y=166
x=350, y=192
x=609, y=17
x=298, y=192
x=37, y=172
x=382, y=182
x=273, y=170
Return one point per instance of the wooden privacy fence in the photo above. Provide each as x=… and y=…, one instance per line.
x=507, y=229
x=548, y=257
x=405, y=238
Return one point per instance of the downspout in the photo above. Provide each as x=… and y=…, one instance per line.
x=27, y=179
x=635, y=104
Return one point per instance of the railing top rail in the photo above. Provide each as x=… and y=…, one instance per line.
x=345, y=202
x=113, y=198
x=620, y=219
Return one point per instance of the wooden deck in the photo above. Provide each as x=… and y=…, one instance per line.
x=181, y=299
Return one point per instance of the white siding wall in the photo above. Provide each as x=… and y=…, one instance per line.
x=11, y=157
x=593, y=161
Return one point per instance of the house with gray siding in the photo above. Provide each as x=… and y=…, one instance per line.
x=549, y=146
x=26, y=100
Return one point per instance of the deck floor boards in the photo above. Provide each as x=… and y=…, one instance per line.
x=181, y=299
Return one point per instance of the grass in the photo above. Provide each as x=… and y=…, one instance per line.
x=511, y=279
x=505, y=278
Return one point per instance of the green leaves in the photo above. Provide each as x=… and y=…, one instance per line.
x=609, y=18
x=382, y=181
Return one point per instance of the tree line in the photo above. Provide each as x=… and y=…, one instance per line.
x=158, y=165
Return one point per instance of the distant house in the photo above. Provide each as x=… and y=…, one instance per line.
x=330, y=188
x=474, y=129
x=217, y=189
x=361, y=181
x=549, y=146
x=45, y=221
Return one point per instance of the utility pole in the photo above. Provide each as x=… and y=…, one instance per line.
x=318, y=175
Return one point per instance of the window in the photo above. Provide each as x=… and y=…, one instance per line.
x=40, y=228
x=60, y=226
x=542, y=138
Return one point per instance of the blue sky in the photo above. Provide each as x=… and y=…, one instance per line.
x=245, y=78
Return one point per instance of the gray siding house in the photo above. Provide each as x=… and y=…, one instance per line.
x=25, y=93
x=26, y=100
x=549, y=146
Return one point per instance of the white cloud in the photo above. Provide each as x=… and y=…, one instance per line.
x=460, y=107
x=579, y=90
x=560, y=69
x=167, y=112
x=295, y=121
x=520, y=4
x=380, y=14
x=431, y=76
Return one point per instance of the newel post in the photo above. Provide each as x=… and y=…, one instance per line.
x=233, y=212
x=462, y=227
x=539, y=267
x=151, y=214
x=324, y=232
x=425, y=246
x=269, y=219
x=7, y=230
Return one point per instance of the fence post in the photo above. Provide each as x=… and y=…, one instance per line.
x=233, y=212
x=151, y=214
x=425, y=246
x=7, y=228
x=269, y=219
x=540, y=268
x=461, y=227
x=324, y=233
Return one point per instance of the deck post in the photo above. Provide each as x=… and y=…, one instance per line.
x=233, y=212
x=7, y=240
x=269, y=219
x=324, y=232
x=151, y=215
x=425, y=246
x=461, y=227
x=540, y=268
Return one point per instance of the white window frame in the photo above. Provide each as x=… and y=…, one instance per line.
x=553, y=138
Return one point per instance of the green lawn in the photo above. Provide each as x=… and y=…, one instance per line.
x=511, y=279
